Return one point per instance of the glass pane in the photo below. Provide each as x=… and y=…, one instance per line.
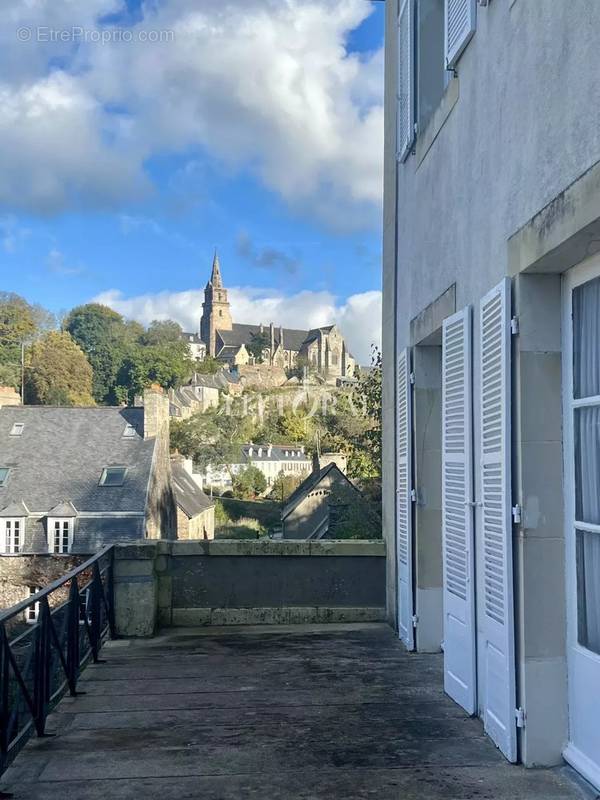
x=586, y=339
x=587, y=464
x=588, y=590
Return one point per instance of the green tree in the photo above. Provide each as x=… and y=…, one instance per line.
x=213, y=437
x=105, y=339
x=168, y=364
x=58, y=372
x=259, y=342
x=210, y=366
x=249, y=483
x=162, y=332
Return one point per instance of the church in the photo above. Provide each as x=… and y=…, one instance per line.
x=321, y=349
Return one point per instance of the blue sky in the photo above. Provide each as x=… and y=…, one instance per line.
x=134, y=215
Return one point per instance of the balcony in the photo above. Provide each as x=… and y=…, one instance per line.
x=323, y=708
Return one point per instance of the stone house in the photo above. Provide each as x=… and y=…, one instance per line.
x=75, y=479
x=491, y=389
x=187, y=400
x=195, y=511
x=307, y=513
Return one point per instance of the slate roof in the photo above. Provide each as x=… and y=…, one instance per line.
x=61, y=453
x=188, y=495
x=242, y=334
x=308, y=485
x=194, y=338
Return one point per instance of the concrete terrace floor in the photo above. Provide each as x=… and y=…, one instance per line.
x=270, y=713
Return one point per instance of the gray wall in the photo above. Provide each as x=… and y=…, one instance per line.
x=247, y=582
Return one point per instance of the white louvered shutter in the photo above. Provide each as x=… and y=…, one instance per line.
x=495, y=465
x=457, y=512
x=404, y=501
x=406, y=102
x=460, y=21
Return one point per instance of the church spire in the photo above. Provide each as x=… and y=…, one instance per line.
x=215, y=277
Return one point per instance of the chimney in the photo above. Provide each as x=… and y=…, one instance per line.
x=272, y=334
x=156, y=411
x=281, y=336
x=269, y=450
x=261, y=328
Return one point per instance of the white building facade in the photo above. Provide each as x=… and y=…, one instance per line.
x=492, y=361
x=271, y=460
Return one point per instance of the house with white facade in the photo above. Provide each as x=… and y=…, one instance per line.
x=272, y=460
x=492, y=361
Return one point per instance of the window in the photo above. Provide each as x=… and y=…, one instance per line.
x=129, y=432
x=60, y=535
x=113, y=476
x=4, y=475
x=33, y=611
x=13, y=536
x=17, y=429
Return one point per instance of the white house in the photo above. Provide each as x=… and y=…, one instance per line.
x=492, y=361
x=271, y=460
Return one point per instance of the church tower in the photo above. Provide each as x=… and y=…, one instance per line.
x=216, y=313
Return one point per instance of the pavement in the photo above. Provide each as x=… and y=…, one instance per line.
x=270, y=713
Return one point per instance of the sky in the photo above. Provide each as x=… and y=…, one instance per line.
x=137, y=137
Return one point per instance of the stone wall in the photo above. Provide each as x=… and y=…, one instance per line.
x=246, y=583
x=202, y=526
x=18, y=573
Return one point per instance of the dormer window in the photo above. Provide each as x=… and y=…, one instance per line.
x=129, y=432
x=12, y=535
x=33, y=611
x=4, y=471
x=60, y=535
x=113, y=476
x=17, y=429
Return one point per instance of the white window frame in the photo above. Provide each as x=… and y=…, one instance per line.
x=8, y=526
x=17, y=429
x=455, y=42
x=64, y=524
x=32, y=612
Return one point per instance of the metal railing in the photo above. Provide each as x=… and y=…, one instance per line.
x=45, y=642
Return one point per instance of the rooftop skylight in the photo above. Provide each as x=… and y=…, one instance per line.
x=3, y=475
x=113, y=476
x=17, y=429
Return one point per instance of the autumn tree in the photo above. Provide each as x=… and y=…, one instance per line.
x=20, y=324
x=57, y=372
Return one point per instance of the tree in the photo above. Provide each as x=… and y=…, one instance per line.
x=58, y=372
x=105, y=339
x=209, y=366
x=249, y=484
x=20, y=324
x=259, y=342
x=283, y=486
x=168, y=364
x=162, y=332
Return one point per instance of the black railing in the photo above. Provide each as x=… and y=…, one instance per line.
x=45, y=641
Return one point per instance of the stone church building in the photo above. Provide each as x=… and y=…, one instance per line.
x=321, y=349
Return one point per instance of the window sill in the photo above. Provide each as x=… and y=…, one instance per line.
x=437, y=121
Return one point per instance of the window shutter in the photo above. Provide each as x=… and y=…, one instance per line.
x=457, y=512
x=460, y=21
x=406, y=101
x=495, y=466
x=404, y=501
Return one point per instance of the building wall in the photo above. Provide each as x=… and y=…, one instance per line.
x=18, y=573
x=504, y=173
x=202, y=526
x=161, y=519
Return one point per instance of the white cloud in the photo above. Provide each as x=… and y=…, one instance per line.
x=57, y=263
x=359, y=317
x=260, y=85
x=12, y=234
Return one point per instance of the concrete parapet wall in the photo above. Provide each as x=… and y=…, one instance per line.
x=247, y=583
